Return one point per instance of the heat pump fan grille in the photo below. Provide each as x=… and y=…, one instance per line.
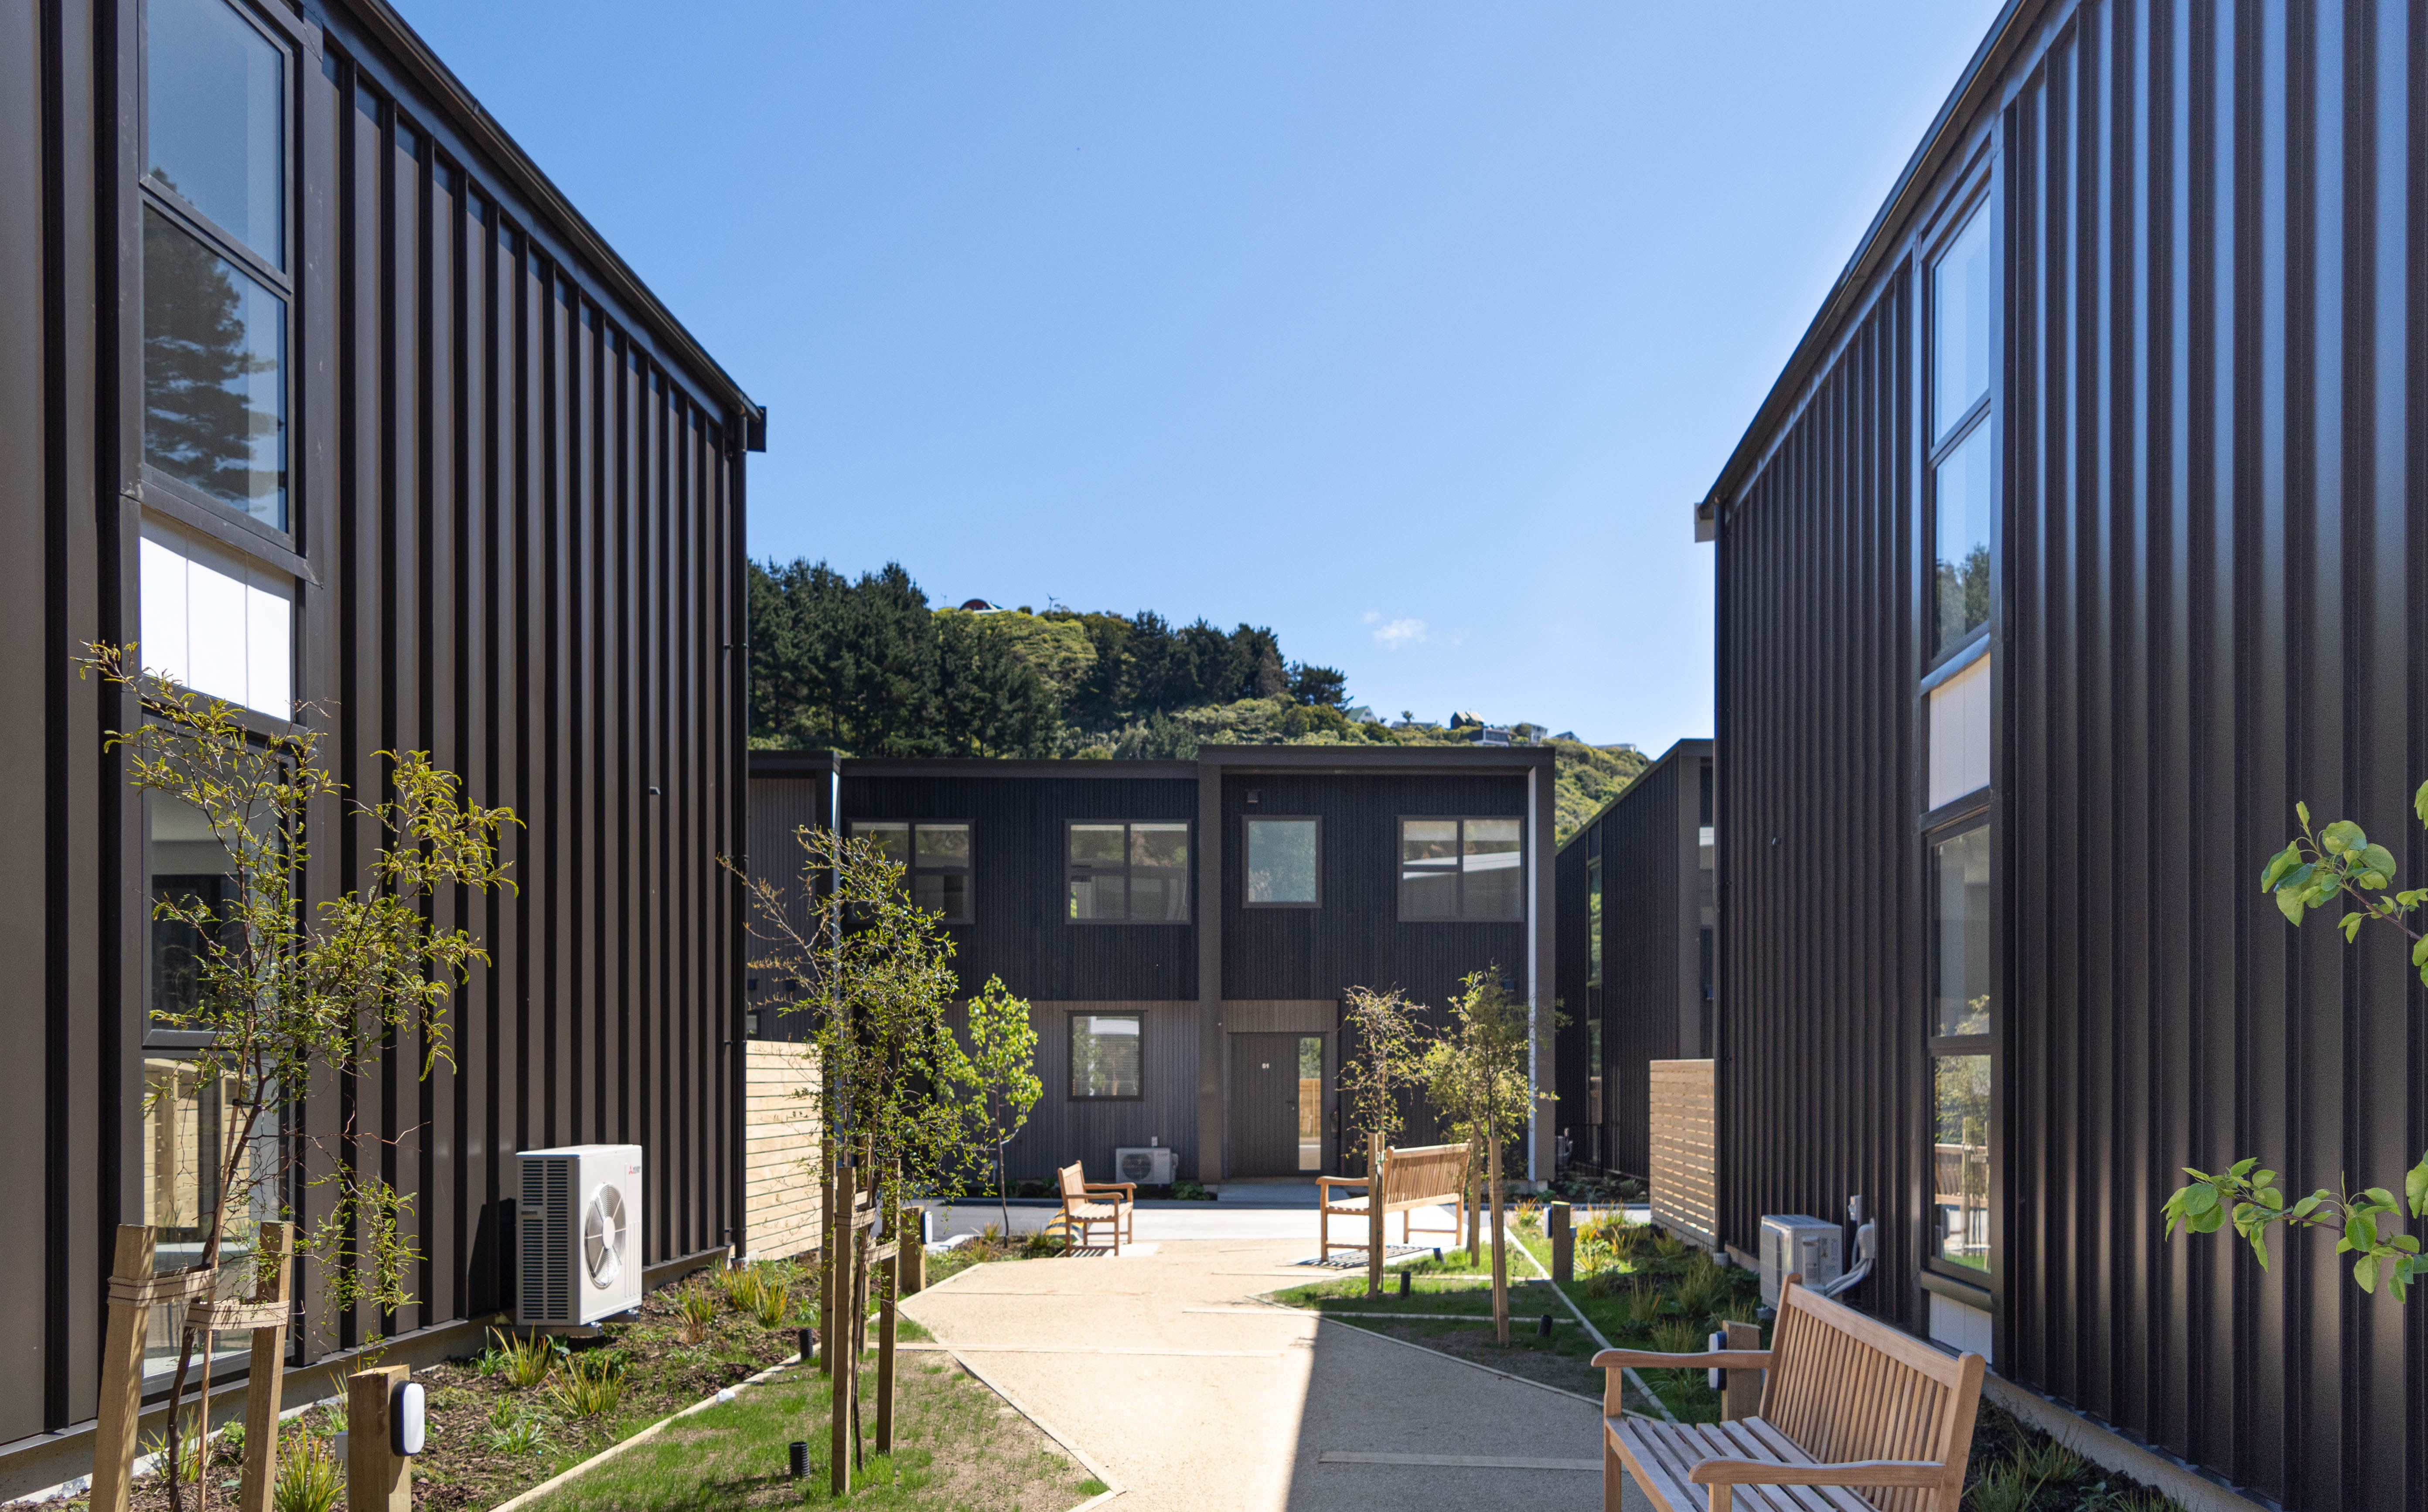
x=603, y=1236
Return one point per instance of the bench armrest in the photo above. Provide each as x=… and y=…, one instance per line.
x=1127, y=1188
x=1717, y=1359
x=1925, y=1472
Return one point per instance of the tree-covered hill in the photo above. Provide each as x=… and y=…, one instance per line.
x=867, y=667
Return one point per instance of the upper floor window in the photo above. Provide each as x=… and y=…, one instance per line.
x=1461, y=869
x=1285, y=862
x=216, y=279
x=1593, y=907
x=1127, y=873
x=935, y=857
x=1964, y=459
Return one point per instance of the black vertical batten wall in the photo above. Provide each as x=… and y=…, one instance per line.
x=2211, y=559
x=519, y=488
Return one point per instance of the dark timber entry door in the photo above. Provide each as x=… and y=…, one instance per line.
x=1276, y=1104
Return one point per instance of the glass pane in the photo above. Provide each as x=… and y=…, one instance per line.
x=1961, y=1163
x=215, y=126
x=1428, y=839
x=1494, y=877
x=1282, y=861
x=189, y=1122
x=191, y=867
x=1159, y=844
x=1592, y=924
x=1965, y=987
x=1100, y=897
x=1960, y=318
x=1096, y=845
x=892, y=840
x=1311, y=1102
x=1428, y=893
x=214, y=373
x=941, y=893
x=943, y=845
x=1105, y=1055
x=1966, y=494
x=1159, y=897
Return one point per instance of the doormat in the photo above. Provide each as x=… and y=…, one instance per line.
x=1357, y=1261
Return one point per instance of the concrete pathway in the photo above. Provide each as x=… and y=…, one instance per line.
x=1164, y=1370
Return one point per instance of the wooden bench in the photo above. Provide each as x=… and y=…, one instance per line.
x=1084, y=1211
x=1426, y=1175
x=1871, y=1420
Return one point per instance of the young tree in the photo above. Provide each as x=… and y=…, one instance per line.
x=1476, y=1074
x=288, y=991
x=1381, y=1062
x=998, y=1075
x=875, y=971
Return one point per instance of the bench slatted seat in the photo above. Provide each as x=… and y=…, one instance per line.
x=1090, y=1204
x=1856, y=1417
x=1424, y=1175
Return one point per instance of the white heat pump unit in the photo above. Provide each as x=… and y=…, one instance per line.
x=579, y=1245
x=1793, y=1244
x=1149, y=1165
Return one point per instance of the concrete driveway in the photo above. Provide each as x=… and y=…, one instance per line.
x=1164, y=1368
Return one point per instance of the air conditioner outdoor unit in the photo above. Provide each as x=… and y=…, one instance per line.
x=579, y=1248
x=1793, y=1244
x=1149, y=1165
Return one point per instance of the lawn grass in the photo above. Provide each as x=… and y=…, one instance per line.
x=957, y=1445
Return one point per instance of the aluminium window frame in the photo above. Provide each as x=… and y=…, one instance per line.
x=1972, y=202
x=1399, y=863
x=1247, y=823
x=155, y=489
x=912, y=869
x=1071, y=1092
x=1129, y=869
x=1977, y=812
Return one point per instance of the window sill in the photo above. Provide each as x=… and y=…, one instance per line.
x=238, y=533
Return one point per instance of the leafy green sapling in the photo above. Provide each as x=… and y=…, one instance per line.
x=2313, y=871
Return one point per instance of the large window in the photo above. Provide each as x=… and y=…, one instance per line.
x=1129, y=873
x=1963, y=978
x=1462, y=869
x=1963, y=456
x=1284, y=860
x=1593, y=909
x=1107, y=1055
x=217, y=282
x=934, y=854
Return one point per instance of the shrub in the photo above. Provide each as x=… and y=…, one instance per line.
x=308, y=1478
x=1643, y=1305
x=1702, y=1288
x=1679, y=1336
x=1529, y=1217
x=193, y=1448
x=514, y=1433
x=772, y=1304
x=694, y=1310
x=589, y=1385
x=524, y=1362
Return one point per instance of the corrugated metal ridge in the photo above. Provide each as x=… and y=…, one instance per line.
x=1845, y=294
x=391, y=31
x=1596, y=817
x=1078, y=767
x=1377, y=758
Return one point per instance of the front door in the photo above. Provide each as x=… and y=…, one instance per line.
x=1277, y=1105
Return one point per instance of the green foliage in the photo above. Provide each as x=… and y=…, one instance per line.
x=694, y=1310
x=2316, y=868
x=185, y=1451
x=524, y=1362
x=997, y=1081
x=1677, y=1336
x=588, y=1385
x=1703, y=1287
x=309, y=1477
x=513, y=1431
x=1644, y=1303
x=772, y=1303
x=1382, y=1060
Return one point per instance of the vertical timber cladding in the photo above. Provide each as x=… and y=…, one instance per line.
x=517, y=493
x=2215, y=382
x=790, y=791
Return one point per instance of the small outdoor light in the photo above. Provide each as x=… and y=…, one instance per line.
x=808, y=1340
x=1403, y=1283
x=1543, y=1329
x=800, y=1465
x=405, y=1418
x=1437, y=1254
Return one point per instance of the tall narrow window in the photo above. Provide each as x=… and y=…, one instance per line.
x=216, y=267
x=1462, y=869
x=1127, y=873
x=1593, y=907
x=1964, y=994
x=1284, y=863
x=933, y=854
x=1963, y=456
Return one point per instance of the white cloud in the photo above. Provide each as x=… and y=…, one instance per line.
x=1372, y=614
x=1398, y=632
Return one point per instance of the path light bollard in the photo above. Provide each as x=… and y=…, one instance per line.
x=379, y=1474
x=1742, y=1396
x=1563, y=1245
x=800, y=1459
x=1403, y=1283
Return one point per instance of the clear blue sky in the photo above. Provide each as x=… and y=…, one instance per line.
x=1409, y=329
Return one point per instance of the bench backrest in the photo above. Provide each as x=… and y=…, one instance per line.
x=1424, y=1174
x=1849, y=1388
x=1074, y=1180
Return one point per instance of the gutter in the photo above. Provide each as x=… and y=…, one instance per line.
x=1973, y=88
